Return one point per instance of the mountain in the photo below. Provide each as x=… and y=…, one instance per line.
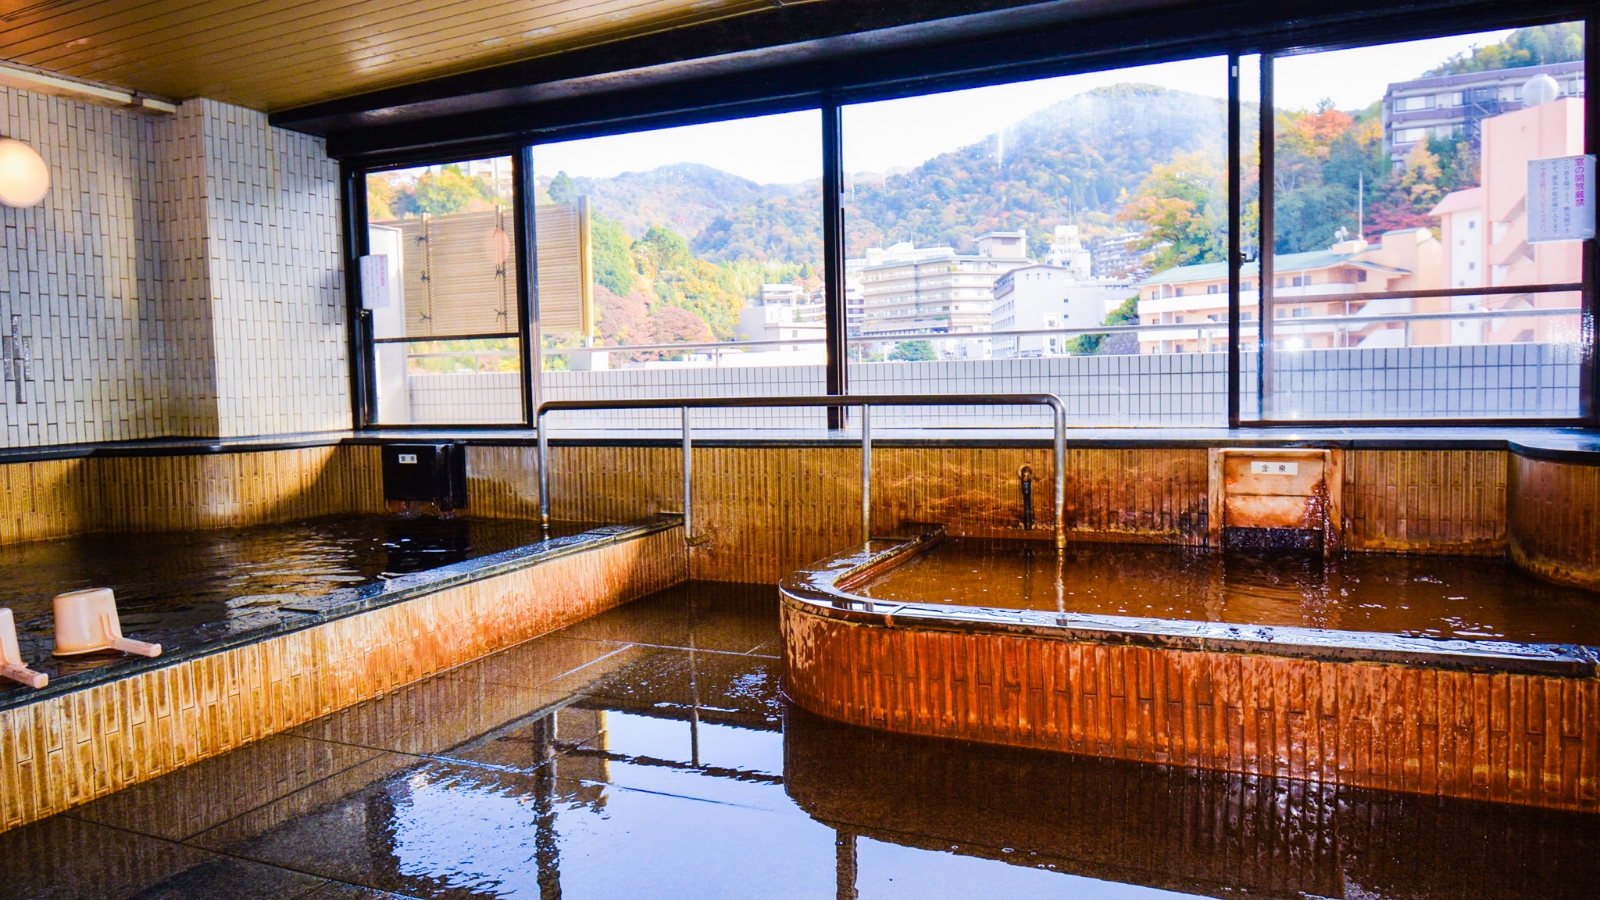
x=685, y=197
x=1071, y=159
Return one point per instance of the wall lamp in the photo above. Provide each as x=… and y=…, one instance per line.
x=24, y=178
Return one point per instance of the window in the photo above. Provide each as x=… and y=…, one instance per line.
x=1039, y=177
x=447, y=336
x=689, y=261
x=706, y=238
x=1383, y=207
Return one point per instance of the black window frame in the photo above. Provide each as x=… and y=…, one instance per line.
x=1245, y=30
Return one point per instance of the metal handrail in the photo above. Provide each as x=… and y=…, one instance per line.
x=865, y=401
x=1285, y=321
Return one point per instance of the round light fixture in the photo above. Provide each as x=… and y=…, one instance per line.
x=24, y=178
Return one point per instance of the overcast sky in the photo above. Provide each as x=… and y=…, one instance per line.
x=901, y=133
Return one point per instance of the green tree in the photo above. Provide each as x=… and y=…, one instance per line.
x=1127, y=313
x=612, y=251
x=562, y=190
x=714, y=293
x=449, y=190
x=1537, y=46
x=914, y=351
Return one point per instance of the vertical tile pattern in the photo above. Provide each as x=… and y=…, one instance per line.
x=1555, y=520
x=60, y=498
x=1426, y=501
x=171, y=493
x=45, y=499
x=83, y=271
x=761, y=512
x=183, y=276
x=66, y=750
x=275, y=275
x=1510, y=738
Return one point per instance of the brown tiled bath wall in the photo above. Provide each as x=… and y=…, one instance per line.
x=60, y=498
x=1555, y=520
x=69, y=749
x=1532, y=740
x=762, y=512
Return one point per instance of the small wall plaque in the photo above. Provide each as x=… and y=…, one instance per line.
x=1273, y=467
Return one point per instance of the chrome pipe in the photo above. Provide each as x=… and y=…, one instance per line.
x=866, y=473
x=544, y=471
x=688, y=479
x=1061, y=472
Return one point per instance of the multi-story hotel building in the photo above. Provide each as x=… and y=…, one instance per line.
x=1483, y=242
x=1037, y=297
x=1444, y=105
x=935, y=291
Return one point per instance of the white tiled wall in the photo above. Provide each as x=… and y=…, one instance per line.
x=276, y=276
x=82, y=270
x=182, y=277
x=1187, y=389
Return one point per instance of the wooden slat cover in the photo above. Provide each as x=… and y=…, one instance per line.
x=455, y=274
x=565, y=294
x=277, y=54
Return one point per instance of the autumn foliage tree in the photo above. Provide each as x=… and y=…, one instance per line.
x=1180, y=210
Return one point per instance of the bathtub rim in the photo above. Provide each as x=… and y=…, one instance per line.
x=824, y=589
x=345, y=602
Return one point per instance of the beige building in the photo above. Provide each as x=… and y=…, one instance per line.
x=935, y=291
x=1194, y=299
x=1485, y=229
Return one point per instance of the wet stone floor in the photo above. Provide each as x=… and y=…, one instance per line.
x=649, y=753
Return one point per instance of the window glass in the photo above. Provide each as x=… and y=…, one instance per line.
x=1050, y=208
x=683, y=262
x=1400, y=235
x=449, y=322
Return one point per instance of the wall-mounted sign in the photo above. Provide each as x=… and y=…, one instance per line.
x=376, y=290
x=1273, y=467
x=1560, y=199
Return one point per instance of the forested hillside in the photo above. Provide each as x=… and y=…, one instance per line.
x=701, y=242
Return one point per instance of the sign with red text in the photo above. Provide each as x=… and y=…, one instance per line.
x=1560, y=199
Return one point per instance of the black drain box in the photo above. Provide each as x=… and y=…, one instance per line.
x=426, y=473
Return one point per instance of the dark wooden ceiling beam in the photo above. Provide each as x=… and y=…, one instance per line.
x=796, y=56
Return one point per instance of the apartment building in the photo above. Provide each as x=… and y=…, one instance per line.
x=1484, y=229
x=1312, y=285
x=1444, y=105
x=1049, y=296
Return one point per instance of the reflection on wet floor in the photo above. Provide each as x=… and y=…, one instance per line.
x=648, y=753
x=1420, y=596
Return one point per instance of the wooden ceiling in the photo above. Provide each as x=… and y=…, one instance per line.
x=279, y=54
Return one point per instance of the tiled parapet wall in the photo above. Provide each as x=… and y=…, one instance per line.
x=1554, y=519
x=68, y=749
x=763, y=511
x=1519, y=726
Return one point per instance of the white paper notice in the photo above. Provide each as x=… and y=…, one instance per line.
x=375, y=288
x=1560, y=199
